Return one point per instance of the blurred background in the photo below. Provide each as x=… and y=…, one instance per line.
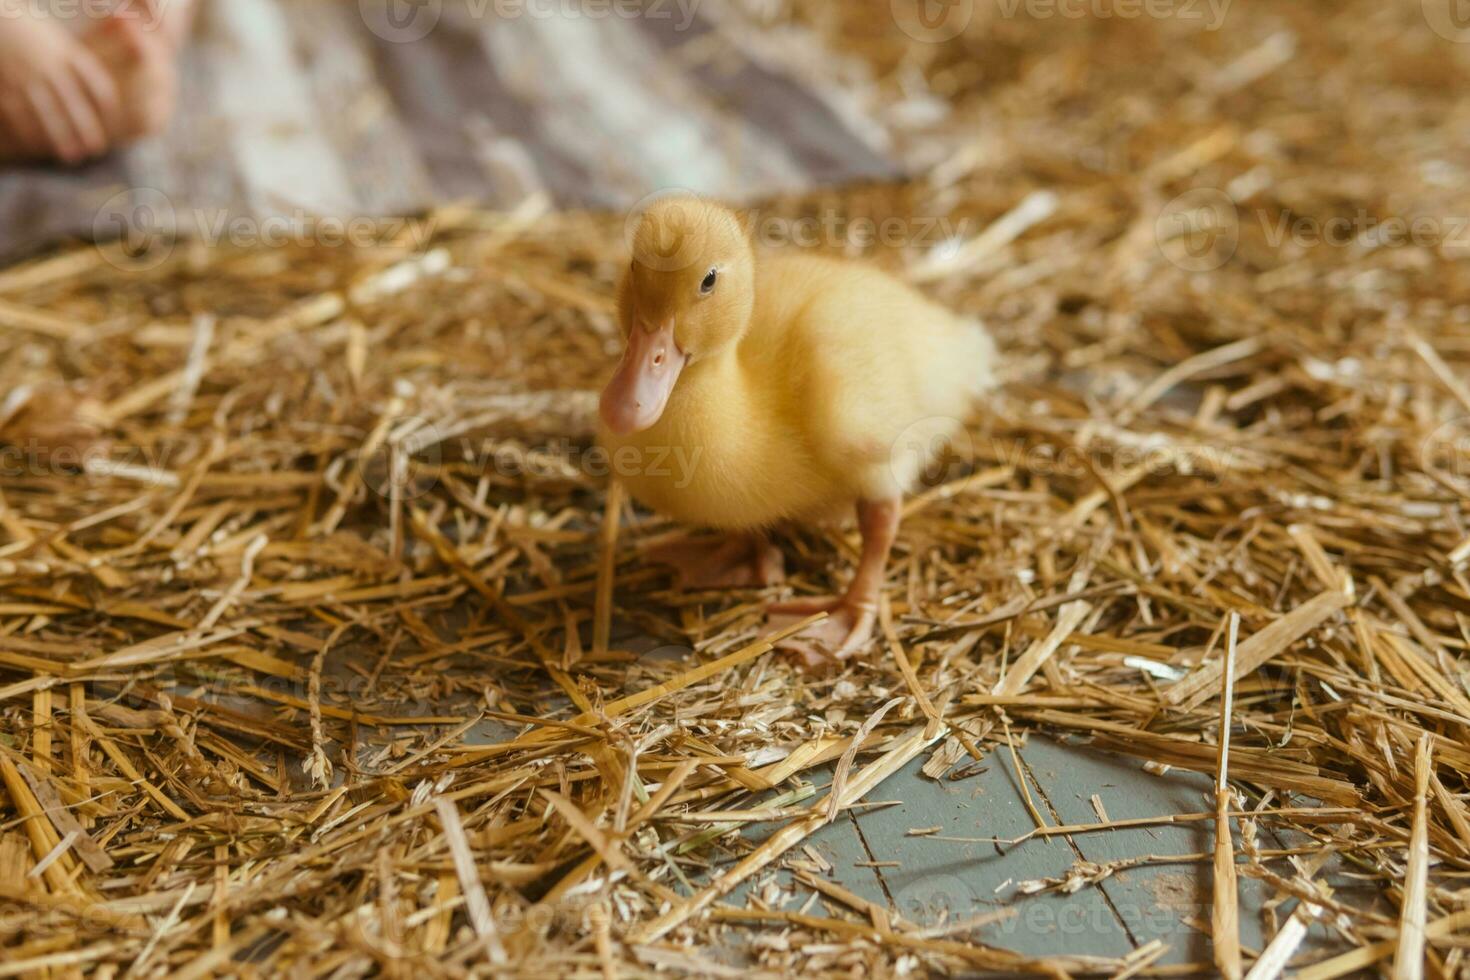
x=304, y=108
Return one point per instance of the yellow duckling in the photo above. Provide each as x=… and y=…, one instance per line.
x=759, y=388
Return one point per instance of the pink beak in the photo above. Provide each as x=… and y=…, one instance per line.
x=640, y=388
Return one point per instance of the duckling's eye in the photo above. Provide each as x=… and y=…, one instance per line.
x=707, y=286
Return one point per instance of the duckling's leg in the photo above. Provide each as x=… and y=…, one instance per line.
x=738, y=561
x=853, y=613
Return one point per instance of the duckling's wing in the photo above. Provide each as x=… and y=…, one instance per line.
x=888, y=379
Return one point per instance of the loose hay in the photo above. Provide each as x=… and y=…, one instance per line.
x=344, y=517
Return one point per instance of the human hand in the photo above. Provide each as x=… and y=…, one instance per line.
x=141, y=60
x=57, y=100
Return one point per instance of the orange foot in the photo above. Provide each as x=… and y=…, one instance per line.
x=739, y=561
x=823, y=645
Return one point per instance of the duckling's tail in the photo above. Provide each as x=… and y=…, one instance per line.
x=960, y=367
x=979, y=357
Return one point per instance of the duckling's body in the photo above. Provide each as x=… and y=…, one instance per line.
x=845, y=385
x=789, y=387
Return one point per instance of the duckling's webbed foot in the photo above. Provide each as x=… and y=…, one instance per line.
x=852, y=615
x=737, y=561
x=846, y=630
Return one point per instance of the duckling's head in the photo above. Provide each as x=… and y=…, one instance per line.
x=687, y=296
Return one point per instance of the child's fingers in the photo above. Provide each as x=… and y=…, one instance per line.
x=86, y=124
x=101, y=91
x=152, y=13
x=136, y=44
x=49, y=113
x=20, y=120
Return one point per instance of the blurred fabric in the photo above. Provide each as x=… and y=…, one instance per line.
x=379, y=107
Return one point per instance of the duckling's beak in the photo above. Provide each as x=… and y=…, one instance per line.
x=640, y=388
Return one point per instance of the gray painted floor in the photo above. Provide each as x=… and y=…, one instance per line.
x=931, y=880
x=957, y=872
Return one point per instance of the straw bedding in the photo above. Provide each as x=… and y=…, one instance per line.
x=338, y=511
